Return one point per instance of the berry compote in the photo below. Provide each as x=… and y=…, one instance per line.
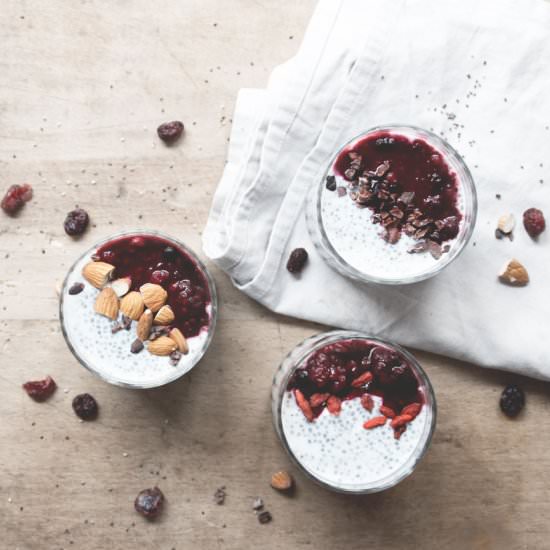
x=148, y=259
x=355, y=412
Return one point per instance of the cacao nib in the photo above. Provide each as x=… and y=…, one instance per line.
x=40, y=390
x=149, y=503
x=331, y=183
x=137, y=346
x=16, y=196
x=170, y=131
x=264, y=517
x=297, y=260
x=76, y=222
x=85, y=406
x=76, y=288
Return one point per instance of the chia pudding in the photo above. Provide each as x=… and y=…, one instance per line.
x=355, y=413
x=396, y=205
x=108, y=343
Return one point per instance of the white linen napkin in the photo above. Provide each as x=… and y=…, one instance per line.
x=478, y=74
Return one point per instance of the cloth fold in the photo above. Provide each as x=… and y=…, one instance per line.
x=473, y=72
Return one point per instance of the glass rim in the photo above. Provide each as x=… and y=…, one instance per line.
x=321, y=339
x=213, y=303
x=315, y=221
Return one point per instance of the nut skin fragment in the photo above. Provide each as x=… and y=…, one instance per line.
x=132, y=305
x=514, y=274
x=180, y=340
x=282, y=481
x=162, y=346
x=164, y=316
x=106, y=303
x=144, y=325
x=154, y=296
x=98, y=274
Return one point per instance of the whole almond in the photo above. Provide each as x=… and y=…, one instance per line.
x=163, y=345
x=132, y=305
x=282, y=481
x=180, y=340
x=164, y=316
x=154, y=296
x=98, y=274
x=144, y=325
x=106, y=303
x=122, y=286
x=514, y=274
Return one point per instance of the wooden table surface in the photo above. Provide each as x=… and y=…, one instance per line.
x=83, y=87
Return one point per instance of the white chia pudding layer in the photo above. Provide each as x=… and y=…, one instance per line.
x=339, y=452
x=107, y=354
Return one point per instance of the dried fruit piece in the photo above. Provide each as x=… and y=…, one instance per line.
x=132, y=305
x=163, y=345
x=367, y=401
x=297, y=260
x=154, y=296
x=282, y=481
x=76, y=222
x=149, y=503
x=400, y=420
x=303, y=403
x=317, y=399
x=334, y=405
x=506, y=224
x=180, y=340
x=164, y=316
x=512, y=400
x=76, y=288
x=98, y=274
x=16, y=196
x=361, y=380
x=514, y=274
x=374, y=422
x=40, y=390
x=170, y=131
x=144, y=325
x=106, y=303
x=137, y=346
x=412, y=410
x=534, y=222
x=85, y=406
x=387, y=411
x=122, y=286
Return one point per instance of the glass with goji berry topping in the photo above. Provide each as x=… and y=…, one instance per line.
x=356, y=413
x=396, y=205
x=145, y=310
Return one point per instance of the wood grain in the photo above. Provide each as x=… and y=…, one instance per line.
x=84, y=85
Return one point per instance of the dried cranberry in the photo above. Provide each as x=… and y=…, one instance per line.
x=76, y=222
x=40, y=390
x=512, y=400
x=534, y=222
x=170, y=131
x=85, y=406
x=76, y=288
x=297, y=260
x=149, y=502
x=16, y=196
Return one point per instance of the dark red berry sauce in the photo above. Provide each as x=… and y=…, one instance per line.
x=406, y=182
x=333, y=369
x=151, y=259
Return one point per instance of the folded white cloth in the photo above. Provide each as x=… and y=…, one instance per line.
x=474, y=72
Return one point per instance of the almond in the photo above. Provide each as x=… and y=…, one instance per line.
x=514, y=274
x=506, y=223
x=164, y=316
x=106, y=303
x=144, y=325
x=282, y=481
x=180, y=340
x=154, y=296
x=132, y=305
x=98, y=274
x=122, y=286
x=162, y=346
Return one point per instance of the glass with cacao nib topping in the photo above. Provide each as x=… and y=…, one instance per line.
x=356, y=413
x=396, y=206
x=145, y=312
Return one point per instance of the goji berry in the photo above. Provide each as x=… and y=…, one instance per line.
x=374, y=422
x=367, y=402
x=400, y=420
x=334, y=404
x=387, y=411
x=412, y=410
x=365, y=378
x=317, y=399
x=303, y=403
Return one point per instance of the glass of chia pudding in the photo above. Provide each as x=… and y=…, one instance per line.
x=138, y=309
x=396, y=205
x=354, y=412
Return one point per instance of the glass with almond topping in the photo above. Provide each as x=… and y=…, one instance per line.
x=396, y=205
x=354, y=412
x=138, y=309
